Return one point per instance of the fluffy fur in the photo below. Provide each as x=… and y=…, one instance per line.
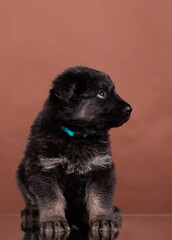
x=67, y=180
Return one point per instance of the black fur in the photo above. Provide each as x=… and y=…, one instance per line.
x=70, y=180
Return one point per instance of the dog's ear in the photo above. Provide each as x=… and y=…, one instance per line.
x=67, y=88
x=62, y=89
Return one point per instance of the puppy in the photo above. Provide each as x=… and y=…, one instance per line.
x=67, y=176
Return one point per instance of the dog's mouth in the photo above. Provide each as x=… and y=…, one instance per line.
x=111, y=122
x=122, y=121
x=122, y=116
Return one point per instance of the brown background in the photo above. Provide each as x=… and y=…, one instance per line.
x=128, y=39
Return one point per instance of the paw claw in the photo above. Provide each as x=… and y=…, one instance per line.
x=54, y=226
x=104, y=224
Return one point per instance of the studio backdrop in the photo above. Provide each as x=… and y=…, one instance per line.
x=128, y=39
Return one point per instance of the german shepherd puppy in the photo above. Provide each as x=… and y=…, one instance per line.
x=67, y=176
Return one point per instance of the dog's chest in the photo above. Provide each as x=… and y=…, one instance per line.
x=76, y=164
x=79, y=158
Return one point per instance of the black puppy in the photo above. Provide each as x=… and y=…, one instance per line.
x=67, y=174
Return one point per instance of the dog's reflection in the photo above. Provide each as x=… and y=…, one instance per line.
x=73, y=235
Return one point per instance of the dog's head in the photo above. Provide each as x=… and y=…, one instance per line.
x=85, y=99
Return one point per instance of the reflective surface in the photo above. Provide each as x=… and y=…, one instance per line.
x=140, y=227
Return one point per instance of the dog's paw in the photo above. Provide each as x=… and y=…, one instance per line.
x=103, y=224
x=53, y=235
x=53, y=226
x=30, y=217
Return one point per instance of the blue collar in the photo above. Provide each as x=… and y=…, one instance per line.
x=71, y=133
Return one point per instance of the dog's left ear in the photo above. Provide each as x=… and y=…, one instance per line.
x=66, y=88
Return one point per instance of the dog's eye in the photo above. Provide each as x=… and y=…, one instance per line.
x=101, y=94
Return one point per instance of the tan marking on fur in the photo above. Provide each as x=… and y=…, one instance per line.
x=99, y=161
x=49, y=163
x=94, y=207
x=54, y=209
x=87, y=111
x=83, y=113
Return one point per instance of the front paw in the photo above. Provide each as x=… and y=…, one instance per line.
x=104, y=223
x=54, y=225
x=30, y=217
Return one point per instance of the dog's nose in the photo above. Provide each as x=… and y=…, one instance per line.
x=128, y=108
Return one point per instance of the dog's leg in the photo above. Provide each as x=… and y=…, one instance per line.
x=99, y=201
x=29, y=215
x=51, y=204
x=111, y=235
